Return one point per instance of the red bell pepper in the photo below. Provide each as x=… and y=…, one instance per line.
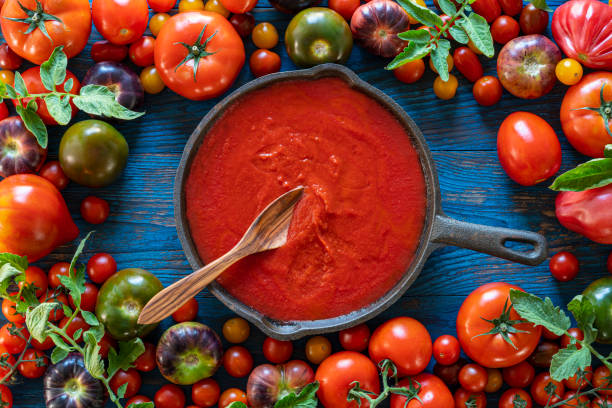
x=587, y=212
x=34, y=219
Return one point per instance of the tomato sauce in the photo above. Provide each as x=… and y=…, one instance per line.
x=357, y=227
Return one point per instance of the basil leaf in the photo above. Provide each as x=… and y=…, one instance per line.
x=307, y=398
x=447, y=7
x=459, y=34
x=568, y=361
x=20, y=85
x=438, y=58
x=478, y=31
x=53, y=71
x=540, y=312
x=100, y=100
x=420, y=36
x=58, y=354
x=541, y=4
x=412, y=52
x=592, y=174
x=584, y=313
x=422, y=14
x=37, y=319
x=34, y=124
x=59, y=109
x=129, y=351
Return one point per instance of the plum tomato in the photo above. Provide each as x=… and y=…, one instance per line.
x=107, y=51
x=494, y=380
x=519, y=375
x=445, y=89
x=539, y=389
x=355, y=338
x=318, y=348
x=8, y=58
x=161, y=6
x=53, y=172
x=263, y=62
x=141, y=51
x=446, y=349
x=6, y=396
x=7, y=76
x=473, y=377
x=13, y=336
x=450, y=63
x=77, y=323
x=489, y=9
x=131, y=377
x=36, y=277
x=232, y=395
x=465, y=399
x=20, y=152
x=582, y=379
x=243, y=23
x=564, y=266
x=574, y=333
x=533, y=20
x=35, y=365
x=215, y=6
x=187, y=312
x=100, y=267
x=152, y=82
x=236, y=330
x=60, y=268
x=601, y=379
x=237, y=361
x=504, y=29
x=487, y=90
x=528, y=148
x=239, y=6
x=410, y=72
x=94, y=210
x=157, y=22
x=55, y=297
x=433, y=393
x=568, y=71
x=190, y=5
x=264, y=35
x=9, y=311
x=146, y=361
x=277, y=351
x=403, y=340
x=511, y=7
x=345, y=8
x=170, y=396
x=88, y=298
x=542, y=355
x=119, y=21
x=468, y=64
x=105, y=343
x=450, y=373
x=205, y=393
x=515, y=397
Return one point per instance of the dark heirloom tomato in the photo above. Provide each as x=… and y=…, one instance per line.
x=600, y=294
x=121, y=299
x=120, y=21
x=243, y=23
x=267, y=383
x=318, y=35
x=533, y=20
x=433, y=393
x=69, y=384
x=543, y=354
x=489, y=9
x=293, y=6
x=19, y=149
x=124, y=83
x=375, y=26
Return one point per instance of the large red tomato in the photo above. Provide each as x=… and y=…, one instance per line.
x=585, y=129
x=336, y=375
x=120, y=21
x=403, y=340
x=72, y=31
x=239, y=6
x=198, y=54
x=433, y=393
x=583, y=30
x=484, y=320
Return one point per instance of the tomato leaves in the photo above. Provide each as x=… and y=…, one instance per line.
x=540, y=312
x=100, y=100
x=129, y=351
x=592, y=174
x=307, y=398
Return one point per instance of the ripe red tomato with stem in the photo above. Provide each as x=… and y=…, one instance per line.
x=582, y=379
x=161, y=6
x=35, y=364
x=533, y=20
x=55, y=297
x=186, y=313
x=146, y=361
x=446, y=349
x=14, y=337
x=601, y=379
x=9, y=310
x=94, y=210
x=263, y=62
x=574, y=333
x=141, y=51
x=433, y=393
x=468, y=64
x=511, y=7
x=473, y=377
x=277, y=351
x=520, y=375
x=487, y=90
x=131, y=377
x=8, y=59
x=539, y=390
x=6, y=396
x=205, y=393
x=410, y=72
x=89, y=297
x=120, y=22
x=100, y=267
x=77, y=323
x=465, y=399
x=504, y=29
x=355, y=338
x=564, y=266
x=53, y=172
x=515, y=397
x=232, y=395
x=237, y=361
x=107, y=51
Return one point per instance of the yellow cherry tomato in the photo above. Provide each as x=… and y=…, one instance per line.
x=449, y=61
x=8, y=77
x=445, y=89
x=420, y=3
x=216, y=7
x=569, y=71
x=236, y=330
x=190, y=5
x=157, y=22
x=151, y=81
x=264, y=35
x=318, y=348
x=495, y=380
x=473, y=47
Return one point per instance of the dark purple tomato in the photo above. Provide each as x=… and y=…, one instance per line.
x=68, y=384
x=533, y=20
x=449, y=373
x=267, y=383
x=19, y=150
x=243, y=23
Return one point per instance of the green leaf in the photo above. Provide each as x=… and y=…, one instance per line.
x=77, y=334
x=68, y=85
x=58, y=354
x=541, y=4
x=237, y=404
x=94, y=334
x=307, y=398
x=20, y=85
x=90, y=318
x=19, y=262
x=540, y=312
x=59, y=341
x=607, y=151
x=10, y=91
x=37, y=319
x=121, y=390
x=59, y=109
x=93, y=361
x=75, y=282
x=129, y=351
x=7, y=271
x=478, y=31
x=28, y=299
x=100, y=100
x=67, y=310
x=412, y=52
x=34, y=124
x=568, y=361
x=459, y=34
x=420, y=36
x=584, y=313
x=53, y=71
x=438, y=57
x=144, y=405
x=447, y=7
x=592, y=174
x=422, y=14
x=79, y=250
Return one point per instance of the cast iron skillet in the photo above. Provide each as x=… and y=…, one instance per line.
x=439, y=230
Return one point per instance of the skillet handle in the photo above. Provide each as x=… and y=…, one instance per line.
x=490, y=240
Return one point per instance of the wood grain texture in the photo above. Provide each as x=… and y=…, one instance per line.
x=140, y=231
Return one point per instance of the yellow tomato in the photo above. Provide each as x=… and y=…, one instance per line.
x=151, y=81
x=264, y=35
x=157, y=22
x=190, y=5
x=420, y=3
x=8, y=77
x=318, y=348
x=236, y=330
x=449, y=61
x=445, y=89
x=569, y=71
x=216, y=7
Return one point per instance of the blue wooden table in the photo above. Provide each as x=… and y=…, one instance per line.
x=140, y=231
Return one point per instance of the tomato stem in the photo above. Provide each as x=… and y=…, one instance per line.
x=604, y=110
x=196, y=51
x=35, y=19
x=504, y=325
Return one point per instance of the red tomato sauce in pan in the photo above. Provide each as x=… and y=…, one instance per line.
x=358, y=225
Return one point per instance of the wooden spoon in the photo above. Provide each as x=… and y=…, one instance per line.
x=268, y=231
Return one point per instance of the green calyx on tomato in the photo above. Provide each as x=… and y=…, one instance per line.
x=196, y=51
x=604, y=110
x=36, y=19
x=504, y=325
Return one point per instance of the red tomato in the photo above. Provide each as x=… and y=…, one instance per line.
x=10, y=360
x=574, y=401
x=580, y=380
x=575, y=333
x=53, y=172
x=504, y=29
x=146, y=361
x=107, y=51
x=71, y=32
x=468, y=63
x=205, y=393
x=410, y=72
x=601, y=402
x=138, y=399
x=14, y=343
x=186, y=313
x=464, y=399
x=35, y=368
x=4, y=113
x=487, y=90
x=100, y=267
x=57, y=297
x=214, y=73
x=538, y=389
x=141, y=51
x=133, y=380
x=528, y=148
x=533, y=20
x=446, y=349
x=10, y=312
x=564, y=266
x=47, y=344
x=263, y=62
x=8, y=59
x=405, y=341
x=232, y=395
x=515, y=397
x=36, y=277
x=585, y=129
x=237, y=361
x=120, y=21
x=161, y=6
x=601, y=378
x=488, y=302
x=337, y=373
x=511, y=7
x=105, y=343
x=77, y=323
x=60, y=268
x=277, y=351
x=34, y=84
x=520, y=375
x=473, y=378
x=548, y=335
x=355, y=338
x=239, y=6
x=94, y=210
x=346, y=8
x=489, y=9
x=88, y=298
x=433, y=393
x=6, y=396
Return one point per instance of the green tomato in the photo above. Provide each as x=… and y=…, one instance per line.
x=121, y=299
x=599, y=293
x=318, y=35
x=93, y=153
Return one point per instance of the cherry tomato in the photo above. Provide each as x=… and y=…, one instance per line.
x=60, y=268
x=151, y=81
x=232, y=395
x=450, y=62
x=236, y=330
x=120, y=21
x=161, y=6
x=264, y=35
x=88, y=298
x=277, y=351
x=216, y=7
x=515, y=397
x=10, y=360
x=105, y=343
x=318, y=348
x=450, y=373
x=77, y=323
x=8, y=58
x=601, y=402
x=53, y=172
x=237, y=361
x=468, y=64
x=141, y=51
x=6, y=396
x=504, y=29
x=100, y=267
x=57, y=297
x=410, y=72
x=520, y=375
x=473, y=377
x=575, y=333
x=356, y=338
x=538, y=389
x=564, y=266
x=10, y=312
x=445, y=89
x=94, y=210
x=263, y=62
x=14, y=343
x=243, y=23
x=205, y=393
x=574, y=401
x=4, y=113
x=433, y=393
x=464, y=399
x=346, y=8
x=107, y=51
x=157, y=22
x=8, y=77
x=239, y=6
x=190, y=5
x=580, y=380
x=487, y=90
x=511, y=7
x=187, y=312
x=36, y=277
x=33, y=369
x=494, y=380
x=601, y=378
x=533, y=20
x=133, y=380
x=568, y=71
x=138, y=399
x=146, y=361
x=446, y=349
